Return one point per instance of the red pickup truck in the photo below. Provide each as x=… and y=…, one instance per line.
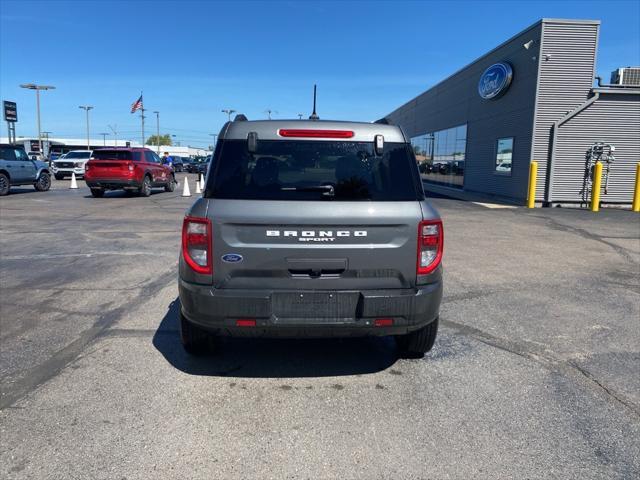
x=134, y=170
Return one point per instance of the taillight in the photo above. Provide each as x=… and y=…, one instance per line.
x=309, y=133
x=86, y=167
x=197, y=244
x=130, y=165
x=430, y=246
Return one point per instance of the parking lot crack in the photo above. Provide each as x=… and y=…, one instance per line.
x=556, y=225
x=33, y=378
x=550, y=361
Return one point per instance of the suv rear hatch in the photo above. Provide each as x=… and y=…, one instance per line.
x=112, y=163
x=314, y=214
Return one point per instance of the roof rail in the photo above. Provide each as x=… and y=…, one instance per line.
x=383, y=121
x=241, y=117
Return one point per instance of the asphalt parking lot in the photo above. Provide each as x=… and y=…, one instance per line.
x=535, y=373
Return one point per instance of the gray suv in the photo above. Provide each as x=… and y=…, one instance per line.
x=16, y=168
x=311, y=229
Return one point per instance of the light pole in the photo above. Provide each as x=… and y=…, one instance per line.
x=300, y=115
x=177, y=142
x=158, y=131
x=37, y=88
x=114, y=129
x=268, y=111
x=104, y=138
x=86, y=108
x=228, y=111
x=215, y=138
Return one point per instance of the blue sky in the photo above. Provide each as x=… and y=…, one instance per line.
x=193, y=59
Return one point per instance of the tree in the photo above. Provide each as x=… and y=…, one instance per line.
x=164, y=140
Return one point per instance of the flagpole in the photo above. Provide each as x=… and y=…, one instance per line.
x=142, y=117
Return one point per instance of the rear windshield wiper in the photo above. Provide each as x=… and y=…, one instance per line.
x=327, y=190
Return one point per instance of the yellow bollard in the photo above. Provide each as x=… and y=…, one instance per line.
x=533, y=178
x=595, y=189
x=636, y=192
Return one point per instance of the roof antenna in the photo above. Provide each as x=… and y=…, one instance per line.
x=314, y=115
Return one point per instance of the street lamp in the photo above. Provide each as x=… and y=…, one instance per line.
x=86, y=108
x=158, y=131
x=177, y=143
x=228, y=112
x=268, y=111
x=37, y=88
x=215, y=138
x=300, y=115
x=104, y=138
x=114, y=129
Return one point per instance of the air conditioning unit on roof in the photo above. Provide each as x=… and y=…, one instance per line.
x=628, y=76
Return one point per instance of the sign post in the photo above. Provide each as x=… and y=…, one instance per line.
x=11, y=117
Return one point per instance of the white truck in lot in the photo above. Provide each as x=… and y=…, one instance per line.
x=73, y=162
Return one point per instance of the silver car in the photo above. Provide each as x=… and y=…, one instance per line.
x=311, y=228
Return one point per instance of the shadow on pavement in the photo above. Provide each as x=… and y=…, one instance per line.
x=123, y=194
x=24, y=189
x=275, y=358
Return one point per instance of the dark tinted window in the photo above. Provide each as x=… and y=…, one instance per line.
x=313, y=170
x=7, y=153
x=150, y=157
x=21, y=155
x=13, y=153
x=111, y=155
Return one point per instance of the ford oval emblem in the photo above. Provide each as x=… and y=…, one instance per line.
x=232, y=258
x=495, y=80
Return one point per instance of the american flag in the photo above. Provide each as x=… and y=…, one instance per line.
x=137, y=105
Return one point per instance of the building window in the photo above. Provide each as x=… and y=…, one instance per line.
x=441, y=155
x=504, y=155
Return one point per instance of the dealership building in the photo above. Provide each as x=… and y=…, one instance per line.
x=536, y=97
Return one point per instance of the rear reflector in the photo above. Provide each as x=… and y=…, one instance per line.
x=246, y=322
x=315, y=133
x=383, y=322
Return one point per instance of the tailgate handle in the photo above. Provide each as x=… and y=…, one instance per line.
x=316, y=267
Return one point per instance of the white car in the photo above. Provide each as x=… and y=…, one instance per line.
x=504, y=167
x=73, y=162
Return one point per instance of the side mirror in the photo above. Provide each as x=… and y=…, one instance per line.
x=378, y=144
x=252, y=142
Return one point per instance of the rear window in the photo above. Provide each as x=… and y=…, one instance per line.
x=115, y=155
x=313, y=170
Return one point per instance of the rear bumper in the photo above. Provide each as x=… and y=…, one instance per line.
x=112, y=183
x=217, y=310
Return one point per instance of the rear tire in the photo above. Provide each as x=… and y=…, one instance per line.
x=194, y=340
x=43, y=183
x=4, y=185
x=145, y=188
x=171, y=186
x=419, y=342
x=97, y=192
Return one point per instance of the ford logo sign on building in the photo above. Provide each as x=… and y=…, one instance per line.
x=495, y=80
